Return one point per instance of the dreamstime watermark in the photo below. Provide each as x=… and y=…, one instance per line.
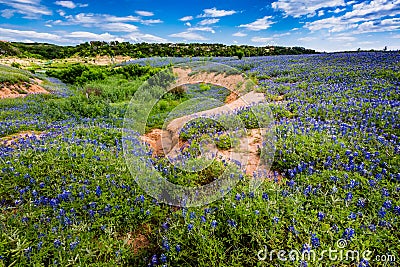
x=340, y=253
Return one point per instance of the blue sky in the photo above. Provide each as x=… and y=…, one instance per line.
x=324, y=25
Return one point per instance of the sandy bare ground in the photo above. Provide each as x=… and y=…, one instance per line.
x=10, y=140
x=8, y=90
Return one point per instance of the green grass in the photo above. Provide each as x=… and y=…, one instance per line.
x=14, y=75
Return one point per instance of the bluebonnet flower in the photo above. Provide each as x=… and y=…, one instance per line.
x=154, y=260
x=238, y=197
x=98, y=191
x=385, y=192
x=349, y=196
x=387, y=204
x=372, y=227
x=163, y=258
x=363, y=263
x=397, y=210
x=306, y=248
x=320, y=216
x=265, y=196
x=291, y=183
x=372, y=183
x=190, y=226
x=39, y=245
x=178, y=248
x=165, y=244
x=348, y=233
x=315, y=241
x=214, y=223
x=232, y=223
x=275, y=219
x=382, y=212
x=307, y=190
x=361, y=203
x=202, y=219
x=73, y=245
x=57, y=243
x=165, y=226
x=352, y=216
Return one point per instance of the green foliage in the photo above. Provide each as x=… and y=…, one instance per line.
x=142, y=50
x=80, y=74
x=223, y=142
x=13, y=75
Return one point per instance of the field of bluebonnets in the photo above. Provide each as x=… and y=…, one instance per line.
x=67, y=197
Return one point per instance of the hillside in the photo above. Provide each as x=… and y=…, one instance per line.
x=17, y=83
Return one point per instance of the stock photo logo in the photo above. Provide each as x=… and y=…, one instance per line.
x=341, y=252
x=199, y=134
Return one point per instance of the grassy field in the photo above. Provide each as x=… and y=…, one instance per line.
x=67, y=197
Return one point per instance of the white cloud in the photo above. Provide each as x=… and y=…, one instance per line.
x=260, y=24
x=385, y=25
x=338, y=10
x=280, y=34
x=307, y=39
x=189, y=35
x=215, y=13
x=144, y=13
x=239, y=34
x=17, y=35
x=119, y=27
x=257, y=39
x=321, y=13
x=144, y=37
x=7, y=13
x=92, y=36
x=364, y=17
x=151, y=21
x=61, y=13
x=342, y=38
x=30, y=9
x=67, y=4
x=298, y=8
x=188, y=24
x=91, y=20
x=208, y=21
x=186, y=18
x=203, y=29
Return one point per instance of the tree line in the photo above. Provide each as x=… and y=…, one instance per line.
x=142, y=50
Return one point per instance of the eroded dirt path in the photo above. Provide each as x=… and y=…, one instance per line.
x=166, y=142
x=8, y=90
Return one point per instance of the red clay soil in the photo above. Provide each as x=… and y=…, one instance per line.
x=8, y=90
x=138, y=240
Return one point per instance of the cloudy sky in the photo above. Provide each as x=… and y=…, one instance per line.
x=324, y=25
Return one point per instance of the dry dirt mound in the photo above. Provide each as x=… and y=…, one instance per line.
x=8, y=90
